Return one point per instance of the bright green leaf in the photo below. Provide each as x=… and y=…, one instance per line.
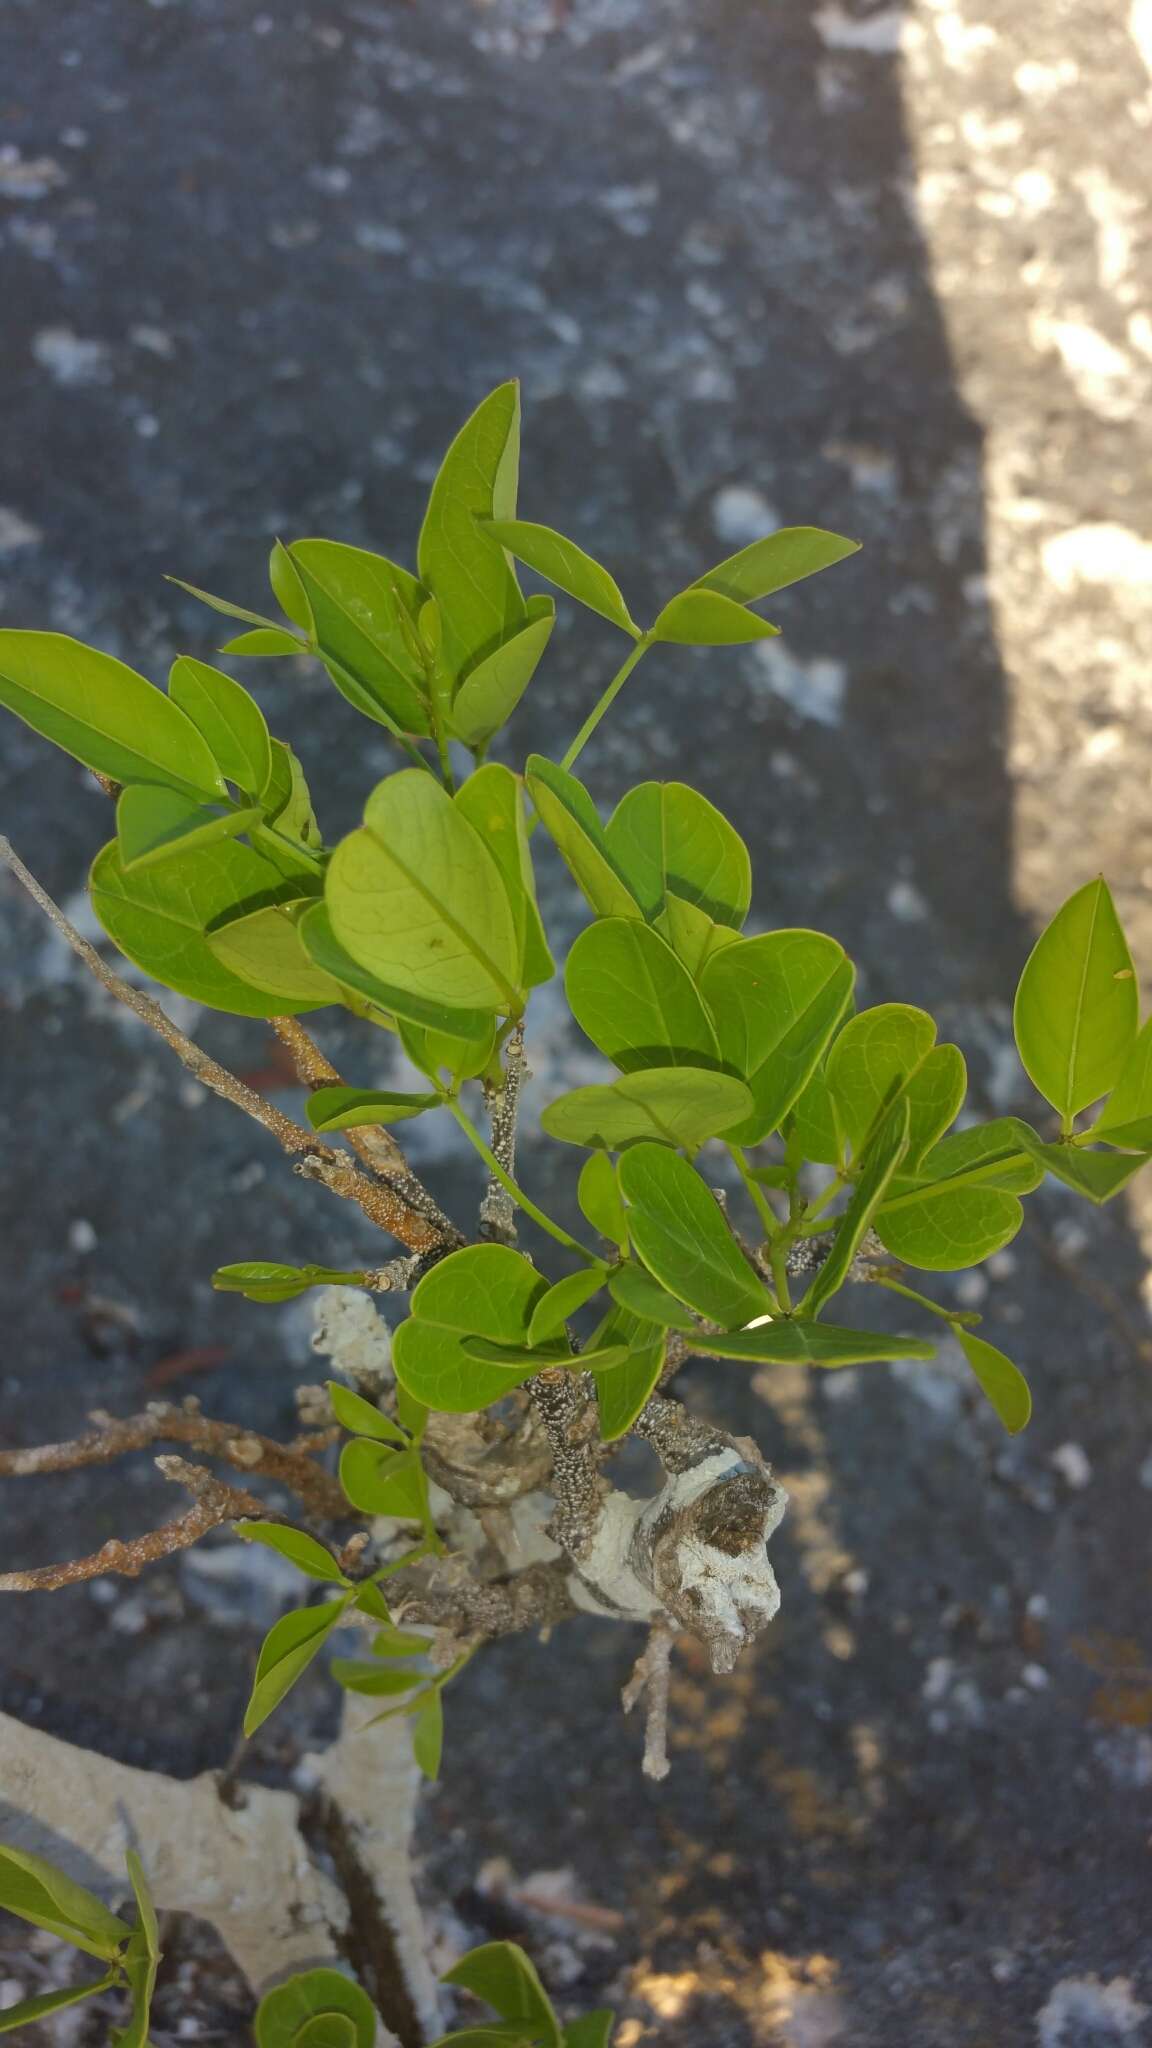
x=492, y=800
x=636, y=1002
x=267, y=1280
x=103, y=713
x=428, y=1734
x=678, y=1230
x=777, y=1001
x=501, y=1974
x=490, y=692
x=776, y=561
x=285, y=2013
x=353, y=1412
x=561, y=562
x=993, y=1155
x=693, y=936
x=360, y=604
x=624, y=1389
x=561, y=1301
x=229, y=719
x=418, y=900
x=286, y=1652
x=573, y=823
x=264, y=947
x=812, y=1121
x=356, y=1674
x=221, y=604
x=888, y=1051
x=36, y=1890
x=381, y=1481
x=1099, y=1175
x=465, y=569
x=346, y=1109
x=1126, y=1118
x=784, y=1342
x=1002, y=1382
x=264, y=640
x=942, y=1227
x=635, y=1290
x=1077, y=1005
x=666, y=838
x=286, y=799
x=159, y=916
x=702, y=618
x=287, y=588
x=598, y=1193
x=297, y=1546
x=591, y=2030
x=886, y=1153
x=154, y=823
x=29, y=2010
x=485, y=1290
x=676, y=1105
x=469, y=1033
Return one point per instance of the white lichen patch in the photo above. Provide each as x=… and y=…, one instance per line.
x=813, y=688
x=1083, y=2009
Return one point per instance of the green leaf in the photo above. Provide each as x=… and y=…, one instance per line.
x=399, y=1642
x=141, y=1960
x=221, y=604
x=485, y=1290
x=300, y=1549
x=784, y=1342
x=1003, y=1383
x=465, y=569
x=287, y=588
x=1099, y=1175
x=381, y=1481
x=501, y=1974
x=355, y=1674
x=103, y=713
x=287, y=2013
x=561, y=1301
x=812, y=1122
x=591, y=2030
x=777, y=1001
x=561, y=562
x=677, y=1105
x=692, y=934
x=600, y=1358
x=995, y=1154
x=889, y=1051
x=265, y=640
x=286, y=798
x=598, y=1193
x=267, y=1280
x=418, y=900
x=159, y=916
x=885, y=1155
x=678, y=1231
x=154, y=823
x=353, y=1412
x=230, y=721
x=286, y=1652
x=428, y=1734
x=1126, y=1118
x=492, y=800
x=485, y=2037
x=346, y=1109
x=666, y=838
x=1077, y=1005
x=360, y=604
x=264, y=948
x=944, y=1227
x=636, y=1002
x=433, y=1051
x=624, y=1389
x=36, y=1891
x=776, y=561
x=635, y=1290
x=702, y=618
x=573, y=824
x=433, y=1024
x=29, y=2010
x=490, y=692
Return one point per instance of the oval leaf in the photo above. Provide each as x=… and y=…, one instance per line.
x=675, y=1105
x=678, y=1231
x=885, y=1156
x=286, y=1652
x=490, y=692
x=776, y=561
x=1002, y=1382
x=598, y=1193
x=561, y=1301
x=1077, y=1005
x=153, y=823
x=784, y=1342
x=702, y=618
x=466, y=570
x=265, y=948
x=777, y=1001
x=635, y=1000
x=346, y=1109
x=666, y=838
x=486, y=1290
x=230, y=720
x=492, y=800
x=286, y=2012
x=103, y=713
x=944, y=1227
x=360, y=603
x=573, y=823
x=297, y=1546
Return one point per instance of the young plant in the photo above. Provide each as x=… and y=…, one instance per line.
x=517, y=1369
x=36, y=1891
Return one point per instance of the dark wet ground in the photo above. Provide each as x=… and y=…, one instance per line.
x=257, y=266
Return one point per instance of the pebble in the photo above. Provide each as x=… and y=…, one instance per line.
x=1074, y=1466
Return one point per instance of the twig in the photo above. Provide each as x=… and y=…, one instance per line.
x=375, y=1145
x=292, y=1465
x=213, y=1503
x=314, y=1160
x=650, y=1677
x=566, y=1407
x=498, y=1210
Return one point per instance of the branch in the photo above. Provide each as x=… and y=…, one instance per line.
x=449, y=1597
x=214, y=1503
x=650, y=1676
x=565, y=1404
x=498, y=1210
x=376, y=1145
x=314, y=1160
x=292, y=1465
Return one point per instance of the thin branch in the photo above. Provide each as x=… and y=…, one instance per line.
x=213, y=1504
x=567, y=1408
x=291, y=1465
x=445, y=1595
x=650, y=1679
x=375, y=1145
x=498, y=1210
x=314, y=1160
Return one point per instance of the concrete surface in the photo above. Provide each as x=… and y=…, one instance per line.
x=877, y=268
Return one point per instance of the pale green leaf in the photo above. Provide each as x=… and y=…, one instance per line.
x=944, y=1227
x=886, y=1154
x=666, y=838
x=381, y=1481
x=287, y=588
x=490, y=692
x=501, y=1974
x=103, y=713
x=360, y=603
x=297, y=1546
x=1126, y=1118
x=265, y=948
x=562, y=1300
x=1077, y=1005
x=466, y=570
x=492, y=800
x=266, y=641
x=887, y=1052
x=353, y=1412
x=230, y=721
x=428, y=1734
x=266, y=1280
x=777, y=1001
x=635, y=999
x=573, y=823
x=468, y=1032
x=28, y=2011
x=1099, y=1175
x=776, y=561
x=1002, y=1382
x=561, y=562
x=702, y=618
x=485, y=1290
x=153, y=823
x=286, y=1652
x=675, y=1105
x=635, y=1290
x=598, y=1193
x=35, y=1890
x=286, y=2013
x=787, y=1342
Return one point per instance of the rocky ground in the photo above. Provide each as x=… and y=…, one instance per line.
x=875, y=268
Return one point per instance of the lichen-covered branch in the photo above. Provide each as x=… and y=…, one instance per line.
x=566, y=1405
x=314, y=1160
x=291, y=1465
x=498, y=1210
